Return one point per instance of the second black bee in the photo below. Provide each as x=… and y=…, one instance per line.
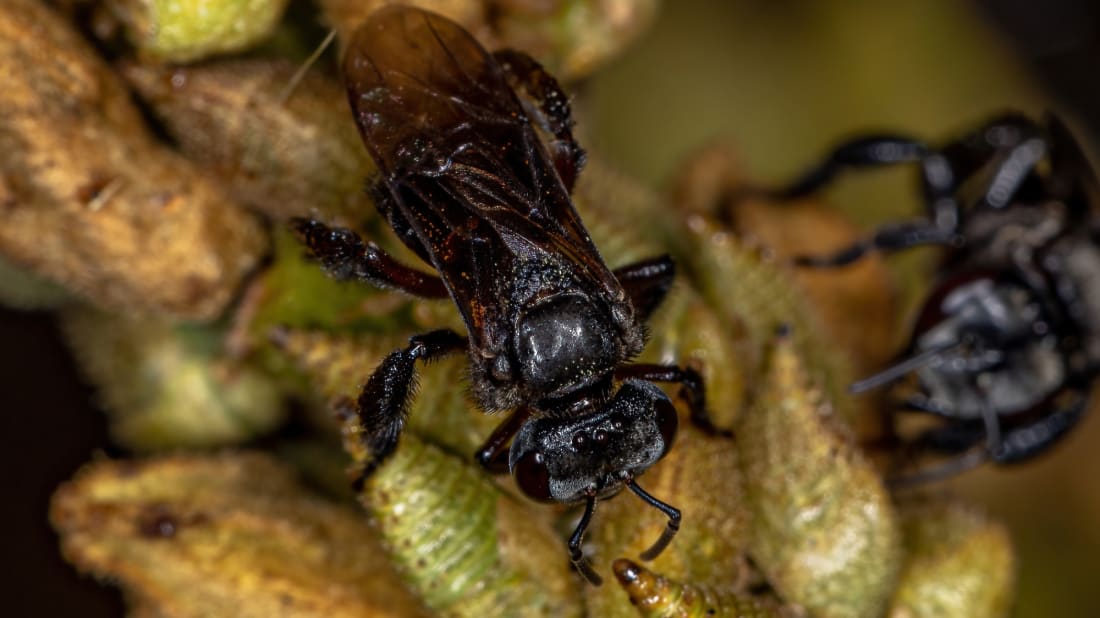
x=1006, y=346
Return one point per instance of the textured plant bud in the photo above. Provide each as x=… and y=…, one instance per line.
x=574, y=37
x=90, y=200
x=296, y=154
x=167, y=385
x=709, y=183
x=824, y=531
x=461, y=544
x=958, y=563
x=20, y=289
x=570, y=37
x=229, y=535
x=189, y=30
x=687, y=331
x=295, y=292
x=347, y=15
x=745, y=284
x=742, y=288
x=337, y=365
x=611, y=205
x=655, y=596
x=335, y=334
x=700, y=477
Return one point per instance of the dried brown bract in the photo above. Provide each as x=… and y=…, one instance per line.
x=280, y=152
x=90, y=200
x=229, y=535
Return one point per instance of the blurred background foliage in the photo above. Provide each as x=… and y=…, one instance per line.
x=780, y=81
x=783, y=81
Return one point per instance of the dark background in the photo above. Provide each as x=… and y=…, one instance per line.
x=51, y=428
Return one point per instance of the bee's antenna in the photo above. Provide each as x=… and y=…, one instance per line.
x=576, y=556
x=673, y=527
x=899, y=369
x=302, y=70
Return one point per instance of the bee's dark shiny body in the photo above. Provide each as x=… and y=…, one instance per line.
x=476, y=163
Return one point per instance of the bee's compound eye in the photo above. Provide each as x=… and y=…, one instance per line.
x=667, y=422
x=532, y=477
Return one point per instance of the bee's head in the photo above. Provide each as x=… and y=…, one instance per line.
x=567, y=459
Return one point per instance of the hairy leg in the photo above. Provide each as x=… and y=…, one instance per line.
x=383, y=404
x=345, y=256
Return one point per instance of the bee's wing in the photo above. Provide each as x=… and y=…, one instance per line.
x=459, y=155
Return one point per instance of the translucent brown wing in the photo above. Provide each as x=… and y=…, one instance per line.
x=458, y=154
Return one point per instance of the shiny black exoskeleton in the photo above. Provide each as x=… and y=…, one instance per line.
x=1007, y=345
x=476, y=163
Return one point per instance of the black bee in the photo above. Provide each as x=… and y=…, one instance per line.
x=476, y=162
x=1007, y=344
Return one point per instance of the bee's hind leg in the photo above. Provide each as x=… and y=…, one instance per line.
x=345, y=256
